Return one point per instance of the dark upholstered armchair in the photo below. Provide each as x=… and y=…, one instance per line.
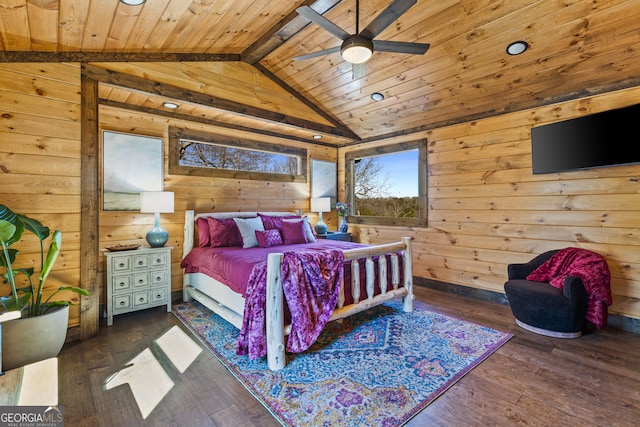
x=545, y=309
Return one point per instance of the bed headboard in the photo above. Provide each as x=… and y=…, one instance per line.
x=190, y=223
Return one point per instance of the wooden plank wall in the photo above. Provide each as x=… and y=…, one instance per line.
x=40, y=160
x=486, y=208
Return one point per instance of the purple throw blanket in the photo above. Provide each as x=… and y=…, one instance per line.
x=591, y=268
x=311, y=281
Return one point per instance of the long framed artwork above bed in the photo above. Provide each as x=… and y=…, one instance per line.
x=268, y=278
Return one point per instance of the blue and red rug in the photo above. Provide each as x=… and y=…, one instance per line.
x=377, y=368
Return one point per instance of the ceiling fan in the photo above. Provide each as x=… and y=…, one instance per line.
x=357, y=48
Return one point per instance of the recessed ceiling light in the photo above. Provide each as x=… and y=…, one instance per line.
x=516, y=48
x=132, y=2
x=171, y=105
x=377, y=96
x=317, y=136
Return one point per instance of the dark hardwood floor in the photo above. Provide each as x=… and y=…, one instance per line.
x=532, y=380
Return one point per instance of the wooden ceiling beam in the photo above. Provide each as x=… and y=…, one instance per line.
x=149, y=87
x=84, y=57
x=285, y=29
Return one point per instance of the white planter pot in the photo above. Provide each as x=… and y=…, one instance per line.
x=33, y=339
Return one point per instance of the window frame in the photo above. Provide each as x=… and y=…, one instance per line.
x=421, y=220
x=176, y=134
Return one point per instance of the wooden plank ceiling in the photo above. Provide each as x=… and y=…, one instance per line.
x=238, y=53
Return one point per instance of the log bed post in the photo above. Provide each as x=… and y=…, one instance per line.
x=187, y=245
x=276, y=358
x=407, y=270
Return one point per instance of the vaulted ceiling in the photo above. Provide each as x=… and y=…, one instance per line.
x=230, y=61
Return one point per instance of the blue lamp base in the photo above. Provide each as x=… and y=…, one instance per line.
x=157, y=237
x=320, y=227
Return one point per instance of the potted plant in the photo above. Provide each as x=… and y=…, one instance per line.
x=42, y=329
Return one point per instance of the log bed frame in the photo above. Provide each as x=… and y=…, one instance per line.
x=230, y=305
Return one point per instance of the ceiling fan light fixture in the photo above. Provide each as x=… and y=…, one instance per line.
x=377, y=96
x=132, y=2
x=170, y=105
x=356, y=49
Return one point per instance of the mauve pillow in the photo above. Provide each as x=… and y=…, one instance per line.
x=268, y=238
x=308, y=229
x=293, y=232
x=275, y=222
x=203, y=232
x=223, y=233
x=248, y=228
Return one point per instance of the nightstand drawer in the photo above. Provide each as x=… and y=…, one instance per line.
x=141, y=280
x=158, y=278
x=120, y=264
x=121, y=283
x=158, y=295
x=122, y=302
x=140, y=262
x=140, y=299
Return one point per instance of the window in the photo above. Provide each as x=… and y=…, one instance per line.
x=388, y=185
x=202, y=154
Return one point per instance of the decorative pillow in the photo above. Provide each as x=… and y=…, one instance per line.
x=203, y=232
x=269, y=238
x=308, y=229
x=223, y=233
x=293, y=232
x=275, y=222
x=248, y=228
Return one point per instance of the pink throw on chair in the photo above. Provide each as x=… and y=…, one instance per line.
x=591, y=268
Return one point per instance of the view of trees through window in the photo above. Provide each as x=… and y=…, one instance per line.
x=207, y=155
x=387, y=185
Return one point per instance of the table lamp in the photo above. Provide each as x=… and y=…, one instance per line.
x=320, y=204
x=156, y=202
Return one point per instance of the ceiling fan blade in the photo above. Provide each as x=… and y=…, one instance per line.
x=317, y=54
x=386, y=17
x=323, y=22
x=400, y=47
x=359, y=70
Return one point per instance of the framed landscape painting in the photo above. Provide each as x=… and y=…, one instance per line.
x=130, y=164
x=324, y=179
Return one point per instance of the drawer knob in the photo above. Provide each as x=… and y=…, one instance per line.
x=141, y=299
x=121, y=265
x=122, y=302
x=140, y=281
x=121, y=284
x=158, y=260
x=140, y=263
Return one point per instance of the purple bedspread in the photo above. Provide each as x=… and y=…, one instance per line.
x=311, y=281
x=233, y=266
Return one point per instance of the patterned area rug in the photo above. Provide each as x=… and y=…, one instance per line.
x=377, y=368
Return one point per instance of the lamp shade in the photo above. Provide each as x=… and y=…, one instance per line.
x=320, y=204
x=156, y=201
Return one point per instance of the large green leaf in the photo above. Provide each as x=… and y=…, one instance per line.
x=52, y=255
x=35, y=227
x=11, y=304
x=7, y=214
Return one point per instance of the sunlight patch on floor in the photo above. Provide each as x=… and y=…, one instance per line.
x=179, y=348
x=148, y=380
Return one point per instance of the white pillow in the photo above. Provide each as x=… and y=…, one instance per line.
x=248, y=228
x=308, y=230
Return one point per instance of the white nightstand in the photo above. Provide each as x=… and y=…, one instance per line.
x=138, y=279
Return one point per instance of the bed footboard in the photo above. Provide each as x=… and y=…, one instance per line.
x=276, y=329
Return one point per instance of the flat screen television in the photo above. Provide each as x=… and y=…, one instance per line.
x=603, y=139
